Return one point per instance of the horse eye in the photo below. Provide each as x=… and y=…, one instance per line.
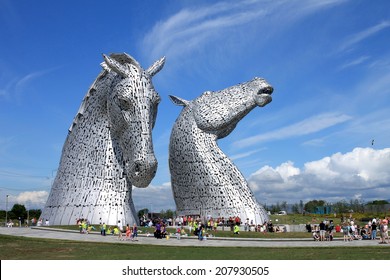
x=124, y=104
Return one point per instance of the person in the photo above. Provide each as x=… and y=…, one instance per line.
x=128, y=232
x=120, y=228
x=163, y=230
x=135, y=232
x=373, y=230
x=352, y=230
x=236, y=229
x=329, y=233
x=383, y=231
x=322, y=230
x=308, y=227
x=157, y=231
x=80, y=226
x=84, y=226
x=90, y=228
x=103, y=228
x=10, y=223
x=364, y=233
x=346, y=235
x=200, y=231
x=178, y=233
x=246, y=225
x=316, y=237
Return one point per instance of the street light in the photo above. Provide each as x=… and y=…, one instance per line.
x=6, y=209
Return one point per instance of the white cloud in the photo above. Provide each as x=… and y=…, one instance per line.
x=305, y=127
x=32, y=200
x=245, y=155
x=360, y=36
x=154, y=197
x=362, y=172
x=194, y=28
x=18, y=85
x=355, y=62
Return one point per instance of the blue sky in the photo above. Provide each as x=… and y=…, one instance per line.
x=328, y=61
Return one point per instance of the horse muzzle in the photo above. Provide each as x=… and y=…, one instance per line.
x=141, y=172
x=263, y=97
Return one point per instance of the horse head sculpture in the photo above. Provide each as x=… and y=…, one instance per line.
x=204, y=180
x=109, y=147
x=132, y=110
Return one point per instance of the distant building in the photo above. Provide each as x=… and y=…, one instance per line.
x=327, y=209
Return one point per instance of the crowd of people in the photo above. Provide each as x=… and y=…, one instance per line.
x=207, y=227
x=351, y=230
x=123, y=233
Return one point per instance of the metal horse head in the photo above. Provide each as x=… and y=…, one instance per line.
x=204, y=180
x=132, y=109
x=219, y=112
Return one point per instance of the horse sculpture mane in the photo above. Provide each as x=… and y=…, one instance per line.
x=108, y=148
x=204, y=180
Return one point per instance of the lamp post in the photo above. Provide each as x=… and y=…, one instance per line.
x=6, y=209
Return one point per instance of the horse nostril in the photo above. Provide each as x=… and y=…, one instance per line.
x=267, y=90
x=137, y=168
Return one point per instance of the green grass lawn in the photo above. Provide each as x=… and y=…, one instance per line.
x=24, y=248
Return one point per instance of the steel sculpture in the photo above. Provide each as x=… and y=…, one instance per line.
x=108, y=148
x=204, y=180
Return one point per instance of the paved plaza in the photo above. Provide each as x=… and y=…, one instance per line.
x=51, y=233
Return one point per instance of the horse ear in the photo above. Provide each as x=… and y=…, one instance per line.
x=156, y=67
x=116, y=66
x=178, y=101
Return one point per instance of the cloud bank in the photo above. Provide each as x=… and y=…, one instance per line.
x=361, y=173
x=31, y=200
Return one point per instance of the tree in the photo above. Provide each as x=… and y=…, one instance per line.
x=378, y=202
x=18, y=211
x=341, y=207
x=276, y=208
x=377, y=206
x=295, y=208
x=167, y=214
x=143, y=212
x=357, y=206
x=283, y=205
x=35, y=213
x=301, y=206
x=311, y=205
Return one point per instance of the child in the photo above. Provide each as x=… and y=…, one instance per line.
x=128, y=232
x=135, y=233
x=178, y=233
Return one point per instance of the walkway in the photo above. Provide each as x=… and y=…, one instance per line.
x=51, y=233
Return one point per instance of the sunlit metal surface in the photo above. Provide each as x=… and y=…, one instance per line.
x=204, y=180
x=108, y=148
